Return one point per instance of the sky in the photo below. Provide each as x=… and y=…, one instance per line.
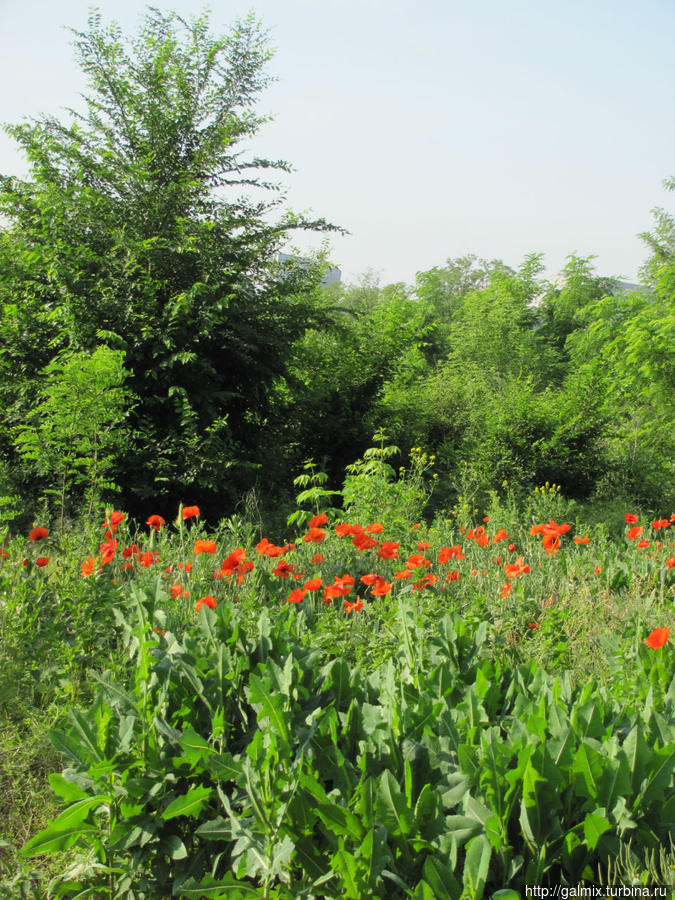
x=429, y=129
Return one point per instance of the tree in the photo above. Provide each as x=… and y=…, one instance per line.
x=132, y=231
x=71, y=434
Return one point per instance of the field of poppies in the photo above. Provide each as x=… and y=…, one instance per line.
x=358, y=708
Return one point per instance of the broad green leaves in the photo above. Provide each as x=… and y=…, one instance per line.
x=451, y=784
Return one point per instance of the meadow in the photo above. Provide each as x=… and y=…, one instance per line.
x=362, y=707
x=440, y=667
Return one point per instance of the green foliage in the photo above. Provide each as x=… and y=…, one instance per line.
x=313, y=492
x=330, y=401
x=73, y=436
x=131, y=231
x=373, y=491
x=626, y=356
x=240, y=761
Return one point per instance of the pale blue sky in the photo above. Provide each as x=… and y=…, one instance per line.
x=430, y=129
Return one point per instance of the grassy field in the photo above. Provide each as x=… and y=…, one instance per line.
x=361, y=707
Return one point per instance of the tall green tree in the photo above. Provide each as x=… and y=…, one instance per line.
x=146, y=226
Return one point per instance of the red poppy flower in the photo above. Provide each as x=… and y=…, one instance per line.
x=206, y=601
x=283, y=569
x=147, y=559
x=228, y=565
x=88, y=567
x=344, y=529
x=243, y=569
x=505, y=590
x=424, y=582
x=422, y=546
x=265, y=548
x=388, y=550
x=314, y=584
x=513, y=570
x=381, y=587
x=315, y=536
x=401, y=575
x=598, y=570
x=315, y=521
x=533, y=625
x=130, y=551
x=375, y=528
x=318, y=558
x=500, y=536
x=107, y=550
x=363, y=542
x=344, y=581
x=452, y=576
x=670, y=563
x=204, y=547
x=340, y=588
x=634, y=532
x=642, y=544
x=551, y=543
x=36, y=534
x=116, y=518
x=631, y=519
x=297, y=595
x=657, y=638
x=511, y=548
x=189, y=512
x=176, y=590
x=445, y=554
x=353, y=607
x=582, y=540
x=42, y=561
x=416, y=560
x=155, y=522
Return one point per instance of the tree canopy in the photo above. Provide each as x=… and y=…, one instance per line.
x=146, y=227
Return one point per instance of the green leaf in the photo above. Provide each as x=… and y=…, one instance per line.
x=218, y=829
x=441, y=879
x=190, y=804
x=195, y=746
x=228, y=887
x=69, y=746
x=392, y=808
x=476, y=866
x=66, y=790
x=660, y=771
x=587, y=770
x=461, y=828
x=594, y=827
x=53, y=840
x=340, y=820
x=269, y=706
x=345, y=865
x=375, y=851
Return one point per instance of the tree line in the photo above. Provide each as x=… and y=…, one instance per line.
x=154, y=350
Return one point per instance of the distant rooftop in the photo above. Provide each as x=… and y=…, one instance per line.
x=622, y=287
x=332, y=275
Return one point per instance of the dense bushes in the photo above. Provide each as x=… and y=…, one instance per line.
x=238, y=369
